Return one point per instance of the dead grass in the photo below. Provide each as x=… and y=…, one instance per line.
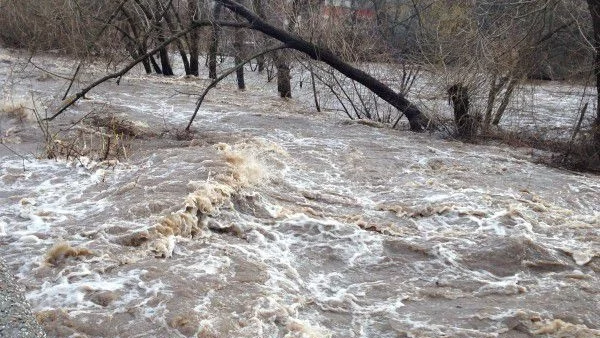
x=524, y=140
x=17, y=110
x=120, y=125
x=583, y=155
x=580, y=154
x=87, y=142
x=99, y=137
x=547, y=146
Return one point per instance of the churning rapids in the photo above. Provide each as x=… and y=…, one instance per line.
x=276, y=222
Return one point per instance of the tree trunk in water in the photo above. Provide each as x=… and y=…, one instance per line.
x=284, y=86
x=193, y=40
x=258, y=9
x=165, y=65
x=173, y=29
x=314, y=88
x=147, y=66
x=418, y=121
x=155, y=65
x=594, y=7
x=136, y=42
x=212, y=54
x=154, y=22
x=214, y=44
x=512, y=84
x=184, y=59
x=134, y=55
x=238, y=46
x=496, y=86
x=260, y=61
x=194, y=56
x=466, y=125
x=142, y=50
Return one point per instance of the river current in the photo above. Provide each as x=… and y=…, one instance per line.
x=271, y=220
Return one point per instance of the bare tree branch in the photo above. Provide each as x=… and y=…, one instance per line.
x=124, y=70
x=98, y=34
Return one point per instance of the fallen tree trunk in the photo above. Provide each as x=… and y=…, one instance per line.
x=418, y=121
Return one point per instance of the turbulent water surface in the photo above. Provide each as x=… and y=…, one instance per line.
x=270, y=221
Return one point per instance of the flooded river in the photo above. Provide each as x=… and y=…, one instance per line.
x=271, y=220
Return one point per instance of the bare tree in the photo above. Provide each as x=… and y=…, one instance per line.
x=214, y=42
x=594, y=7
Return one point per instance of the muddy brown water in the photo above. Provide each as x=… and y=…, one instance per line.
x=287, y=223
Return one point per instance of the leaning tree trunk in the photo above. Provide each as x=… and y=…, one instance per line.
x=512, y=84
x=135, y=41
x=155, y=65
x=496, y=86
x=155, y=22
x=418, y=121
x=165, y=64
x=173, y=29
x=147, y=66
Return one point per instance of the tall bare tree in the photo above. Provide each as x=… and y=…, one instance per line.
x=594, y=7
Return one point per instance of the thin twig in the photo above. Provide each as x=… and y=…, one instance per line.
x=397, y=120
x=332, y=90
x=578, y=126
x=45, y=70
x=14, y=152
x=224, y=75
x=314, y=88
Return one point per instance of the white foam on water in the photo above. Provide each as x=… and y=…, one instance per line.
x=301, y=227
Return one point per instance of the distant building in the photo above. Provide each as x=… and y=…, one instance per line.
x=359, y=10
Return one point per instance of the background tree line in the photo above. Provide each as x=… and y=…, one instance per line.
x=487, y=48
